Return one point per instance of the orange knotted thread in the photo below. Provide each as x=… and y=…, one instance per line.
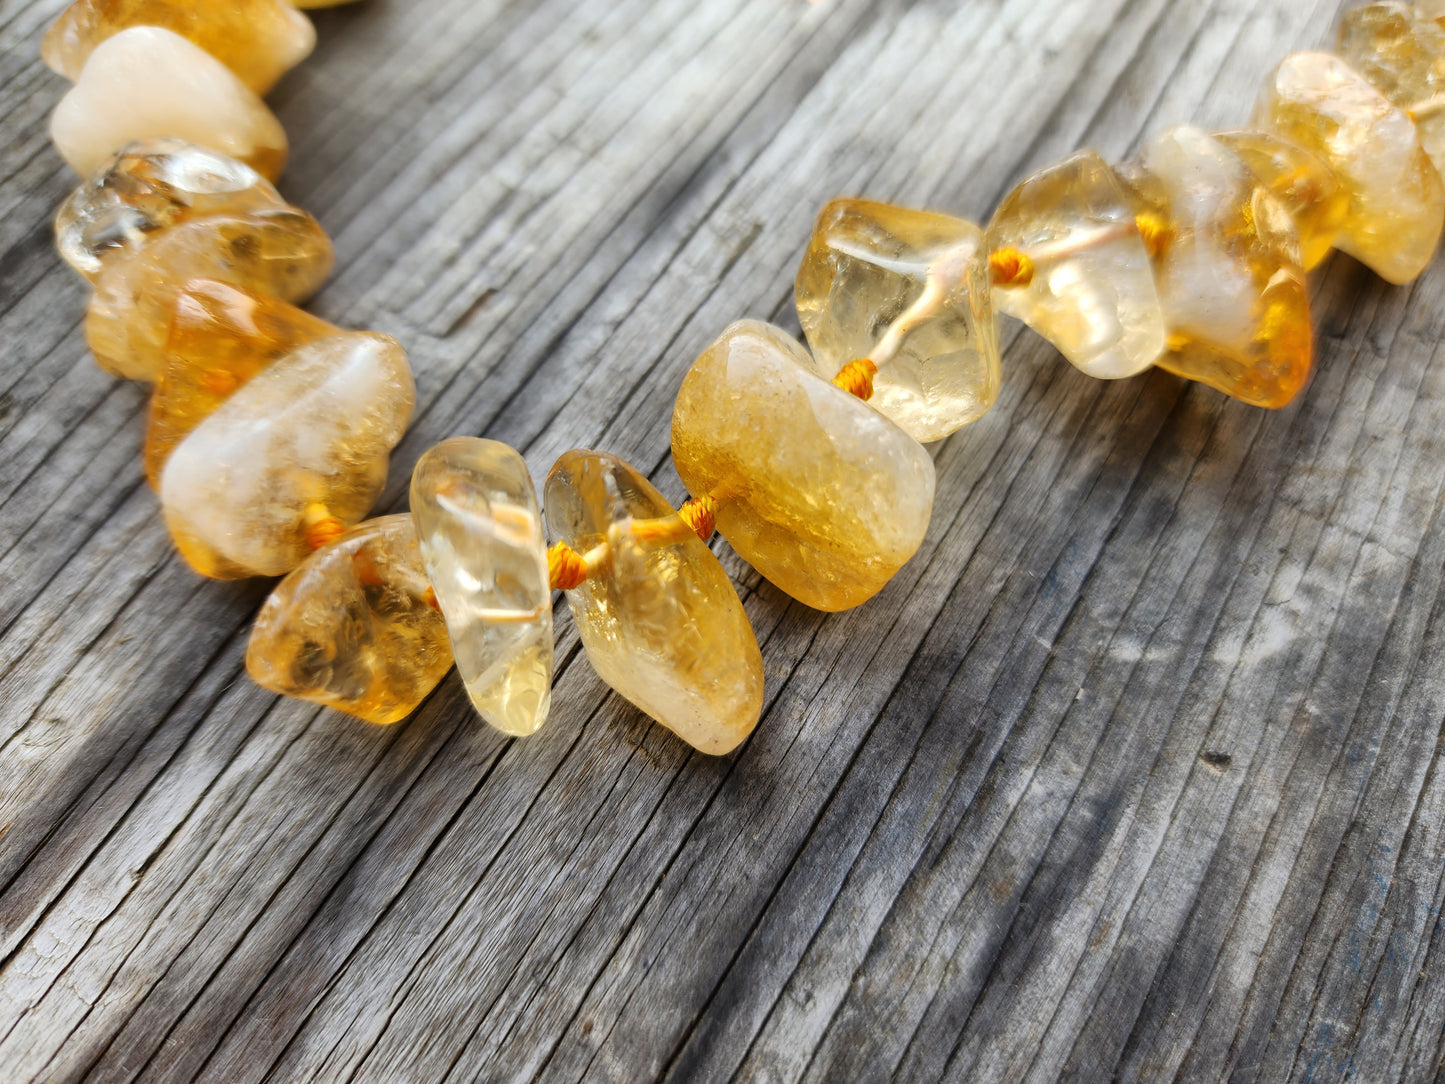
x=856, y=378
x=700, y=513
x=1010, y=267
x=322, y=528
x=1155, y=233
x=566, y=568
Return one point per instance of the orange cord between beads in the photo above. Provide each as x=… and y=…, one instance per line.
x=322, y=528
x=566, y=568
x=856, y=378
x=1010, y=267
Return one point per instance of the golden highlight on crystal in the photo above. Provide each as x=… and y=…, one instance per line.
x=353, y=627
x=1301, y=180
x=658, y=616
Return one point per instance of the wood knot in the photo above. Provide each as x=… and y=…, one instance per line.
x=700, y=514
x=566, y=568
x=1010, y=267
x=856, y=378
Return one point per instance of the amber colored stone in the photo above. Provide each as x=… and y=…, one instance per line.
x=1434, y=9
x=320, y=3
x=283, y=252
x=1397, y=200
x=353, y=627
x=150, y=185
x=146, y=82
x=259, y=40
x=480, y=528
x=910, y=290
x=1301, y=180
x=1402, y=53
x=824, y=497
x=658, y=617
x=1234, y=293
x=307, y=439
x=1091, y=289
x=221, y=336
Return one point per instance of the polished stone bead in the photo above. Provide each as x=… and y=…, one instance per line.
x=1434, y=9
x=910, y=290
x=259, y=40
x=1310, y=190
x=1397, y=200
x=658, y=616
x=150, y=185
x=283, y=252
x=353, y=627
x=1402, y=53
x=1091, y=292
x=221, y=336
x=480, y=528
x=824, y=497
x=1229, y=274
x=305, y=439
x=146, y=82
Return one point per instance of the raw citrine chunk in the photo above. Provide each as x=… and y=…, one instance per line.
x=1397, y=200
x=320, y=3
x=1402, y=53
x=353, y=627
x=306, y=440
x=908, y=289
x=259, y=40
x=1079, y=273
x=282, y=252
x=824, y=497
x=480, y=528
x=221, y=336
x=1310, y=190
x=1434, y=9
x=1229, y=271
x=658, y=616
x=147, y=81
x=150, y=185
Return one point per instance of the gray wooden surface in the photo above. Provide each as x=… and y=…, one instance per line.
x=1133, y=772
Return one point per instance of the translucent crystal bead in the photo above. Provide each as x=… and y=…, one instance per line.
x=149, y=185
x=824, y=497
x=1397, y=200
x=320, y=3
x=1434, y=9
x=221, y=336
x=259, y=40
x=1229, y=271
x=147, y=81
x=353, y=627
x=1090, y=290
x=658, y=616
x=1309, y=189
x=480, y=528
x=1402, y=53
x=910, y=290
x=284, y=253
x=306, y=439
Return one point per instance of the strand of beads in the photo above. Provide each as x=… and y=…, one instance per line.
x=270, y=430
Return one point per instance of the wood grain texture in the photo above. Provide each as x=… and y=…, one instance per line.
x=1133, y=773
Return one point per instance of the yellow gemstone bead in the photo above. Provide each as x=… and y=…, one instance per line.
x=150, y=185
x=307, y=439
x=353, y=627
x=1309, y=189
x=259, y=40
x=1402, y=53
x=147, y=81
x=221, y=336
x=1090, y=290
x=281, y=252
x=910, y=290
x=1397, y=200
x=480, y=528
x=658, y=616
x=1229, y=273
x=824, y=497
x=320, y=3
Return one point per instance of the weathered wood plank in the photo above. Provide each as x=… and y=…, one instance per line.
x=1133, y=772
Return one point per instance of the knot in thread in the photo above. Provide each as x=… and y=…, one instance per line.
x=1155, y=233
x=856, y=378
x=700, y=514
x=1010, y=267
x=430, y=598
x=566, y=568
x=321, y=527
